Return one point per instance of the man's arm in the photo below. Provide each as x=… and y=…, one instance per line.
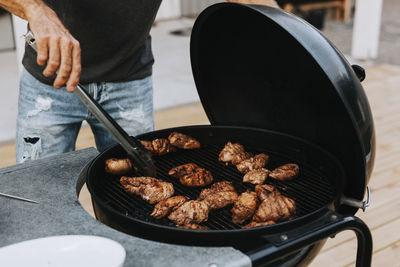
x=55, y=44
x=256, y=2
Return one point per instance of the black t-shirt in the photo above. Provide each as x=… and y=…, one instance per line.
x=113, y=35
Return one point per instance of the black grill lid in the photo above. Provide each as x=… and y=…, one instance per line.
x=262, y=67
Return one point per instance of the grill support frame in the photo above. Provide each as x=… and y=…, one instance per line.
x=326, y=226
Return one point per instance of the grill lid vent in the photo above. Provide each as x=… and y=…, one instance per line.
x=261, y=67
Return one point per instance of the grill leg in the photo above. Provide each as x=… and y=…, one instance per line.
x=306, y=235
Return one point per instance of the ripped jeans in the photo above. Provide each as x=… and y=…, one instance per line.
x=49, y=119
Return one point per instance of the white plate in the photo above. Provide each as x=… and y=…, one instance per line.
x=60, y=251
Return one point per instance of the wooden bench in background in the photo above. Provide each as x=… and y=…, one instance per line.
x=342, y=7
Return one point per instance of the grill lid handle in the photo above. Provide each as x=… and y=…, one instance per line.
x=359, y=71
x=355, y=203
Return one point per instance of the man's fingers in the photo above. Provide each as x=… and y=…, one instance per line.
x=76, y=67
x=66, y=63
x=42, y=51
x=54, y=57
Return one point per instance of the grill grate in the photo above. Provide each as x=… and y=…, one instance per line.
x=311, y=189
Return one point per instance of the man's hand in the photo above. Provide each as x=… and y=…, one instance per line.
x=256, y=2
x=55, y=45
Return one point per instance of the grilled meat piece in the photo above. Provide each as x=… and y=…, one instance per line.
x=190, y=212
x=233, y=153
x=253, y=163
x=147, y=145
x=237, y=158
x=285, y=172
x=223, y=186
x=275, y=207
x=183, y=170
x=192, y=175
x=244, y=207
x=183, y=141
x=200, y=177
x=253, y=224
x=257, y=176
x=193, y=226
x=164, y=207
x=162, y=146
x=118, y=166
x=220, y=199
x=263, y=191
x=149, y=189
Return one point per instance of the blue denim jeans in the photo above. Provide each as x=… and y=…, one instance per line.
x=49, y=119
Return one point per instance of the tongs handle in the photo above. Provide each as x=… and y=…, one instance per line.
x=133, y=147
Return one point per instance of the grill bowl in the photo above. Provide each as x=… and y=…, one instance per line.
x=317, y=188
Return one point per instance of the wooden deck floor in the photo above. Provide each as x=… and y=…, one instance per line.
x=383, y=216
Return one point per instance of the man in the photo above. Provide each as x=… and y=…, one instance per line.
x=103, y=44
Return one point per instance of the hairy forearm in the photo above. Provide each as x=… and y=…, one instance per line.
x=56, y=47
x=23, y=8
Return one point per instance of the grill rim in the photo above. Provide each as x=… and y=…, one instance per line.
x=226, y=233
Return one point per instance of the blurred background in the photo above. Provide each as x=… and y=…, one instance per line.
x=371, y=35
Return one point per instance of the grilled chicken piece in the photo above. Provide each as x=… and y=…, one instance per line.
x=193, y=226
x=161, y=146
x=257, y=176
x=164, y=207
x=191, y=212
x=183, y=141
x=147, y=145
x=275, y=207
x=118, y=166
x=220, y=199
x=149, y=189
x=285, y=172
x=183, y=170
x=263, y=191
x=200, y=177
x=253, y=163
x=223, y=186
x=253, y=224
x=192, y=175
x=233, y=153
x=244, y=207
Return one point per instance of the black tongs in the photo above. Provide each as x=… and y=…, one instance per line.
x=136, y=152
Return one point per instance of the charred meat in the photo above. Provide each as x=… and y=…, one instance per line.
x=164, y=207
x=192, y=175
x=275, y=207
x=147, y=145
x=118, y=166
x=161, y=146
x=149, y=189
x=233, y=153
x=183, y=141
x=257, y=176
x=191, y=212
x=263, y=191
x=253, y=224
x=244, y=207
x=200, y=177
x=220, y=199
x=183, y=170
x=253, y=163
x=223, y=186
x=285, y=172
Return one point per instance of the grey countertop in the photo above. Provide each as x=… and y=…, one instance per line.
x=52, y=182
